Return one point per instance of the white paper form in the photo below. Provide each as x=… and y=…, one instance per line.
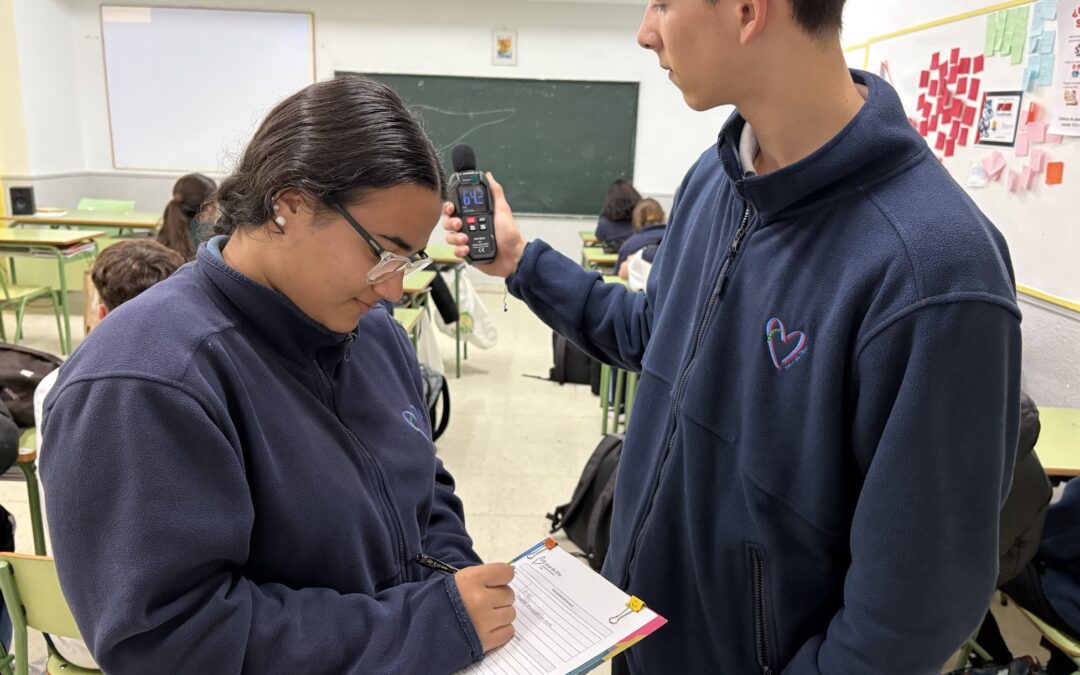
x=569, y=618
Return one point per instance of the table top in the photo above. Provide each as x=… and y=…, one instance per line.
x=131, y=219
x=594, y=255
x=587, y=236
x=407, y=317
x=418, y=282
x=1058, y=446
x=46, y=237
x=613, y=279
x=443, y=254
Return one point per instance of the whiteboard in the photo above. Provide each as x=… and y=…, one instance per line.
x=1042, y=226
x=188, y=87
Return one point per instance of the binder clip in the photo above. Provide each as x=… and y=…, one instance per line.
x=633, y=605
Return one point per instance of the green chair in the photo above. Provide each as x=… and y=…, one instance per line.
x=18, y=297
x=112, y=205
x=1066, y=643
x=34, y=600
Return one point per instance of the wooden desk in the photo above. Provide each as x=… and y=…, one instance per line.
x=443, y=255
x=593, y=257
x=132, y=220
x=614, y=279
x=1058, y=446
x=64, y=246
x=409, y=318
x=418, y=282
x=588, y=237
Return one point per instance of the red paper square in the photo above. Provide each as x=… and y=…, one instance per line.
x=932, y=125
x=965, y=65
x=957, y=107
x=934, y=88
x=977, y=64
x=973, y=90
x=924, y=128
x=969, y=115
x=935, y=60
x=950, y=147
x=954, y=72
x=961, y=86
x=940, y=144
x=954, y=56
x=963, y=136
x=946, y=116
x=955, y=130
x=924, y=79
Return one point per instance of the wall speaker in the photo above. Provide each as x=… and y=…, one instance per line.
x=22, y=201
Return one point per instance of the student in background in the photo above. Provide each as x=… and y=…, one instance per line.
x=240, y=473
x=615, y=223
x=120, y=273
x=180, y=222
x=649, y=224
x=806, y=406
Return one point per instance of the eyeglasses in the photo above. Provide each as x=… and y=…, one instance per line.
x=390, y=264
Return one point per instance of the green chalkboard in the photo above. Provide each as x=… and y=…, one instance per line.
x=555, y=145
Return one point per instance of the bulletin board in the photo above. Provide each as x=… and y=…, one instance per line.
x=1029, y=188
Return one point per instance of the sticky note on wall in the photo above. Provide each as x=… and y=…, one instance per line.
x=1055, y=173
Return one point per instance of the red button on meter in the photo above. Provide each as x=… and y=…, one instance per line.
x=471, y=220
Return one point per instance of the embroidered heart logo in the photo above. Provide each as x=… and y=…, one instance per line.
x=784, y=347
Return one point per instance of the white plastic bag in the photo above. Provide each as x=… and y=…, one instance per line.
x=477, y=326
x=637, y=271
x=427, y=346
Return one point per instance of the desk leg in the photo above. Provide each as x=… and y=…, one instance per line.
x=631, y=394
x=605, y=386
x=457, y=324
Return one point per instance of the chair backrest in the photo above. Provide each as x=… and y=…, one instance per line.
x=4, y=283
x=114, y=205
x=30, y=582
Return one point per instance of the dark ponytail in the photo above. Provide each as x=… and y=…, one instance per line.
x=190, y=194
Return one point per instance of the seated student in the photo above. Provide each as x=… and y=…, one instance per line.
x=649, y=223
x=120, y=273
x=1049, y=586
x=180, y=222
x=240, y=473
x=615, y=224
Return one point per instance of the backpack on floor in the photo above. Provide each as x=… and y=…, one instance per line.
x=586, y=518
x=21, y=370
x=571, y=364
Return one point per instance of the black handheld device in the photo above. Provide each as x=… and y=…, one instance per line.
x=471, y=195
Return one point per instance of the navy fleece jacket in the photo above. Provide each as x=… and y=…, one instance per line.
x=232, y=488
x=826, y=420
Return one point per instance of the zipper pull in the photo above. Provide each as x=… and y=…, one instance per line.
x=348, y=346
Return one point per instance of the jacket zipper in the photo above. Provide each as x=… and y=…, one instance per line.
x=721, y=282
x=761, y=616
x=384, y=494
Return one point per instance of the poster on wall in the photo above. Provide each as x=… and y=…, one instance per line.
x=1067, y=91
x=999, y=118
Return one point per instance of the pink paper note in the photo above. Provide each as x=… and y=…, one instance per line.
x=973, y=90
x=923, y=130
x=950, y=147
x=1027, y=178
x=954, y=72
x=954, y=55
x=963, y=137
x=957, y=107
x=965, y=65
x=969, y=115
x=954, y=132
x=932, y=125
x=1014, y=181
x=994, y=163
x=961, y=86
x=946, y=116
x=924, y=79
x=933, y=88
x=940, y=144
x=977, y=64
x=1036, y=132
x=935, y=60
x=1038, y=160
x=1053, y=138
x=1022, y=145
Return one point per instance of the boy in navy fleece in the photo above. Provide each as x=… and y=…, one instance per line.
x=830, y=354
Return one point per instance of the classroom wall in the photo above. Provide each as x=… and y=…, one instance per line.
x=1051, y=372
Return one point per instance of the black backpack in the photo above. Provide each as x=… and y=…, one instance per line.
x=21, y=370
x=571, y=364
x=587, y=516
x=435, y=388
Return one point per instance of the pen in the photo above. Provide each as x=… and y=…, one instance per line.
x=435, y=564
